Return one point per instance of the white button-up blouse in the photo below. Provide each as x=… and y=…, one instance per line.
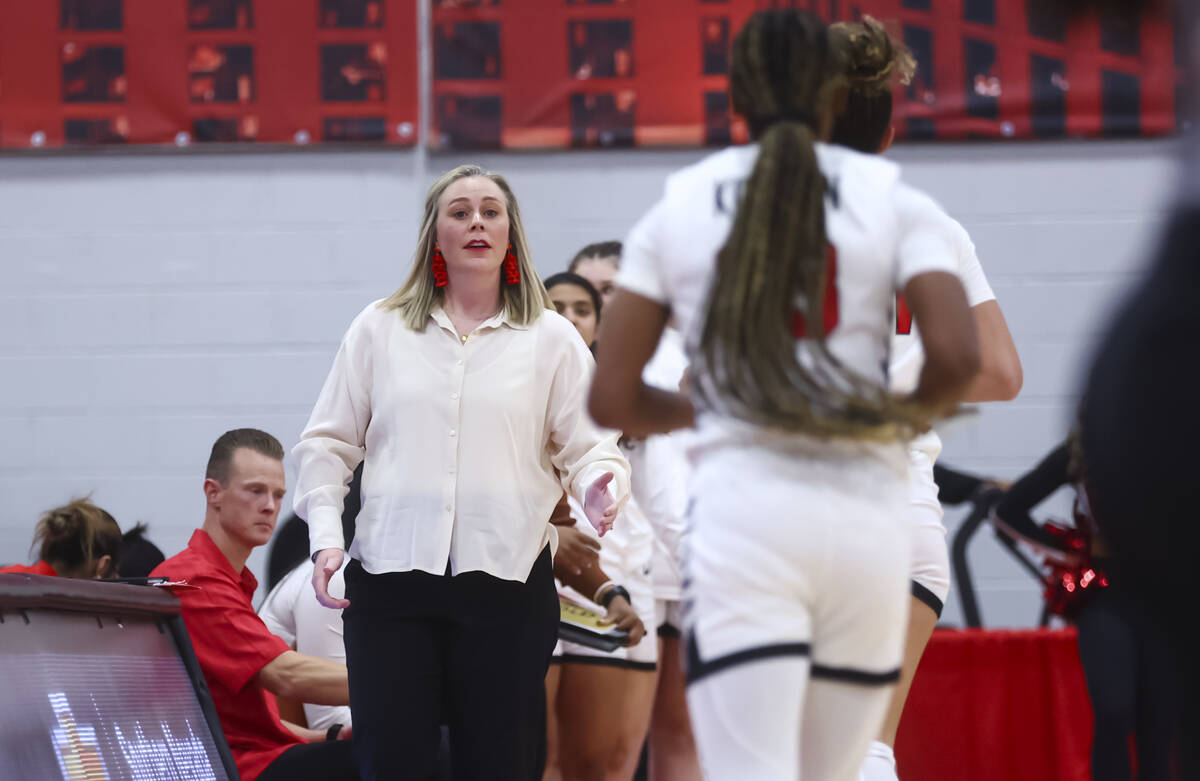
x=468, y=445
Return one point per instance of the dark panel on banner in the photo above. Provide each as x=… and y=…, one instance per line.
x=1120, y=32
x=92, y=132
x=93, y=74
x=1121, y=97
x=600, y=49
x=221, y=74
x=920, y=42
x=1046, y=20
x=352, y=14
x=220, y=15
x=980, y=11
x=89, y=15
x=603, y=119
x=469, y=122
x=353, y=72
x=982, y=87
x=1048, y=96
x=467, y=50
x=224, y=130
x=718, y=122
x=920, y=129
x=370, y=129
x=917, y=5
x=714, y=46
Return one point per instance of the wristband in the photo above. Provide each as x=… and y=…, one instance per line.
x=614, y=592
x=606, y=584
x=332, y=733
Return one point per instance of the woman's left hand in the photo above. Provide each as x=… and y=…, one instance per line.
x=598, y=504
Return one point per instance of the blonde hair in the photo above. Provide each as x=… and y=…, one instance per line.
x=416, y=298
x=873, y=58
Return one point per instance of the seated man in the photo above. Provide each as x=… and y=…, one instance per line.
x=241, y=660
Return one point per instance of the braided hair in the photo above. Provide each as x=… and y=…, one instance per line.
x=773, y=265
x=873, y=61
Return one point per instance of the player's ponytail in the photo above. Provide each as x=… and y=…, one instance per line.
x=873, y=62
x=774, y=263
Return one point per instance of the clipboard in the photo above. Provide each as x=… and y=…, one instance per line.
x=582, y=625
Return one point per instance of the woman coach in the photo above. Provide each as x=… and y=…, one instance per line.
x=465, y=397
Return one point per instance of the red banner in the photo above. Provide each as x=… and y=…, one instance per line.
x=539, y=73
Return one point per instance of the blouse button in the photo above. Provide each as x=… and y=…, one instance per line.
x=454, y=396
x=453, y=433
x=459, y=362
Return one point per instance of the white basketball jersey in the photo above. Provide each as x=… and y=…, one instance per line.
x=876, y=246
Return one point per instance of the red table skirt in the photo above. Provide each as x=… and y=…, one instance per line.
x=989, y=705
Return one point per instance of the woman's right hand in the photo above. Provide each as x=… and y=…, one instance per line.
x=622, y=614
x=328, y=561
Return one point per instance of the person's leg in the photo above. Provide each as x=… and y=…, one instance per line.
x=332, y=761
x=604, y=715
x=880, y=764
x=394, y=664
x=1107, y=652
x=860, y=618
x=746, y=719
x=1157, y=699
x=672, y=747
x=552, y=772
x=498, y=657
x=834, y=739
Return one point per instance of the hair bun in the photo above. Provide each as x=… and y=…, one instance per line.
x=873, y=57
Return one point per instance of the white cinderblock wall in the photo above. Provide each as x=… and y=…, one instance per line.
x=149, y=303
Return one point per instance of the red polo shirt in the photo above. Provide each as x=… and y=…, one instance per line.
x=41, y=568
x=232, y=644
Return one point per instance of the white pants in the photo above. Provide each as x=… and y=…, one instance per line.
x=930, y=559
x=796, y=607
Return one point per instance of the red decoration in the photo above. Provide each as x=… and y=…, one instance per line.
x=512, y=270
x=440, y=277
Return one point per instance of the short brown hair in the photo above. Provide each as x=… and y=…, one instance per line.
x=77, y=534
x=225, y=446
x=601, y=249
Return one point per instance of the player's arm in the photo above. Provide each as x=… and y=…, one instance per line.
x=316, y=735
x=306, y=678
x=951, y=347
x=619, y=398
x=1000, y=374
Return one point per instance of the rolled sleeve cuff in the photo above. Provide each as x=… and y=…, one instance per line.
x=324, y=529
x=618, y=488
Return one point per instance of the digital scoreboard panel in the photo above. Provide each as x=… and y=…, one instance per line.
x=87, y=696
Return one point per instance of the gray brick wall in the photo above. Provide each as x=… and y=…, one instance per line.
x=151, y=302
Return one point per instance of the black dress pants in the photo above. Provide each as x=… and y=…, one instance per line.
x=330, y=761
x=1127, y=663
x=470, y=651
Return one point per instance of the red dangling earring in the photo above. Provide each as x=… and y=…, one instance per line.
x=440, y=277
x=512, y=270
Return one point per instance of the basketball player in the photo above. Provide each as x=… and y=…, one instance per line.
x=780, y=261
x=873, y=61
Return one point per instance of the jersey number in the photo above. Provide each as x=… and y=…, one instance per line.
x=830, y=314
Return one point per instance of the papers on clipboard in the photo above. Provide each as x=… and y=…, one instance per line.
x=578, y=624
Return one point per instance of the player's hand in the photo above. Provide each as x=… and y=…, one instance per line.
x=577, y=551
x=328, y=561
x=598, y=504
x=346, y=732
x=623, y=616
